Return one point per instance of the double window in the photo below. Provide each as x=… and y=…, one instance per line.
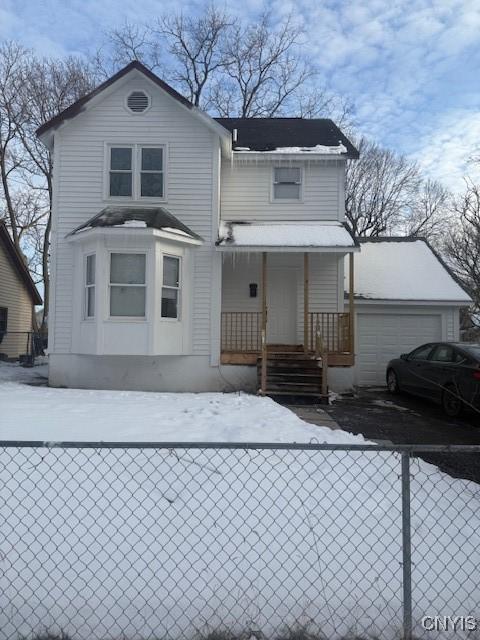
x=287, y=183
x=136, y=171
x=127, y=285
x=90, y=286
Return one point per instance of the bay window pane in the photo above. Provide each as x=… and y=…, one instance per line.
x=286, y=191
x=90, y=275
x=127, y=268
x=152, y=185
x=121, y=159
x=169, y=303
x=127, y=301
x=120, y=184
x=171, y=271
x=90, y=302
x=152, y=159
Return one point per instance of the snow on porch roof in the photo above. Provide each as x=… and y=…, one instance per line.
x=289, y=236
x=403, y=269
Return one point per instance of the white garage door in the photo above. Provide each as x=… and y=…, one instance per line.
x=383, y=336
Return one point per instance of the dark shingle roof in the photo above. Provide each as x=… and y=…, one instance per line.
x=267, y=134
x=153, y=217
x=19, y=263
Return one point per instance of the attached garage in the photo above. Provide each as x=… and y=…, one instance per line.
x=404, y=296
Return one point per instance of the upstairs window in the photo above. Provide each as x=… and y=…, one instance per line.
x=127, y=285
x=151, y=172
x=171, y=287
x=90, y=286
x=121, y=172
x=287, y=183
x=136, y=171
x=3, y=320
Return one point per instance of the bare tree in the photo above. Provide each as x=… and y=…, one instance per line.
x=430, y=213
x=12, y=57
x=46, y=87
x=463, y=245
x=380, y=186
x=265, y=69
x=197, y=47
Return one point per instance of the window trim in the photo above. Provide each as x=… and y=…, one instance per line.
x=136, y=171
x=178, y=289
x=111, y=318
x=87, y=286
x=273, y=183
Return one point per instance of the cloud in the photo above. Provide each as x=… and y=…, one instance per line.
x=446, y=151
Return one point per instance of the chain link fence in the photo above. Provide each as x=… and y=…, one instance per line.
x=138, y=541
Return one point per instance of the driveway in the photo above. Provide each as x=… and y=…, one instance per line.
x=403, y=419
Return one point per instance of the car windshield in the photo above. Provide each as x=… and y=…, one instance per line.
x=472, y=349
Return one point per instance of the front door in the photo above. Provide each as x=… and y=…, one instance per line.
x=281, y=306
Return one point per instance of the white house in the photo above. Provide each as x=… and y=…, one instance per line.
x=187, y=249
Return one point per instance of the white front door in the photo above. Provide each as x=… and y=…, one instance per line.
x=281, y=305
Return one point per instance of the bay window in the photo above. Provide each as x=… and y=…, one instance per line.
x=127, y=285
x=171, y=287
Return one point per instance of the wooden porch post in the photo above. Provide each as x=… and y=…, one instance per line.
x=351, y=306
x=305, y=301
x=263, y=382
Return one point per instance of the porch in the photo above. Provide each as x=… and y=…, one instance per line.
x=285, y=313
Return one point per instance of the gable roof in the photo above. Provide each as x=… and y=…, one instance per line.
x=404, y=269
x=268, y=134
x=147, y=217
x=18, y=263
x=77, y=107
x=80, y=105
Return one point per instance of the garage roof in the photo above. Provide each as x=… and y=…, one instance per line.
x=404, y=269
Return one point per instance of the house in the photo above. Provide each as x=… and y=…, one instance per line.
x=18, y=297
x=187, y=250
x=405, y=295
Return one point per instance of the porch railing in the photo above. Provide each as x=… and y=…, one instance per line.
x=332, y=329
x=241, y=332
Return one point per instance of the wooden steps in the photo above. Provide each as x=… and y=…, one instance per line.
x=292, y=373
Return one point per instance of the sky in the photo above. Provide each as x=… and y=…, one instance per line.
x=410, y=67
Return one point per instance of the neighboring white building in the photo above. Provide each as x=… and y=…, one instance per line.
x=178, y=238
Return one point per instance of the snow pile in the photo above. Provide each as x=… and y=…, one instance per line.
x=155, y=543
x=403, y=270
x=318, y=149
x=284, y=234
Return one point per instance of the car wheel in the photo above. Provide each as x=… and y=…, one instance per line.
x=452, y=403
x=392, y=381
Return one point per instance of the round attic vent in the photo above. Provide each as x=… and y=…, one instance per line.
x=138, y=101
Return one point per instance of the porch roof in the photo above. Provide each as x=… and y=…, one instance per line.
x=330, y=236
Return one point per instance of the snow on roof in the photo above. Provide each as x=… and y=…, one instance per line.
x=319, y=148
x=403, y=270
x=284, y=234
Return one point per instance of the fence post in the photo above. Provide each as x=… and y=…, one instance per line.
x=406, y=548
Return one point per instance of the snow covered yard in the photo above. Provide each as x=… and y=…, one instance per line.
x=156, y=543
x=42, y=413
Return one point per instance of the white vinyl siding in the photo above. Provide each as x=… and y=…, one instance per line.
x=80, y=150
x=247, y=193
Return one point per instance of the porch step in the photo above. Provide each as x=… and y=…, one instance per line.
x=294, y=374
